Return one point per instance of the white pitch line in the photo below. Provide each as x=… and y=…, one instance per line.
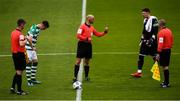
x=96, y=53
x=80, y=73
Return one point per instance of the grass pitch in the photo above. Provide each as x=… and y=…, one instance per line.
x=110, y=73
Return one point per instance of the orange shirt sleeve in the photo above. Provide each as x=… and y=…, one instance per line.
x=160, y=41
x=80, y=34
x=96, y=33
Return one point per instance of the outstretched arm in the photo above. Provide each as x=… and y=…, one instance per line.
x=99, y=34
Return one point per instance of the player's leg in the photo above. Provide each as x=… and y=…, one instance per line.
x=34, y=68
x=153, y=51
x=28, y=67
x=34, y=71
x=140, y=65
x=142, y=53
x=28, y=73
x=86, y=69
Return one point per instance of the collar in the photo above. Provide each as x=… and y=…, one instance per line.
x=87, y=25
x=18, y=29
x=37, y=27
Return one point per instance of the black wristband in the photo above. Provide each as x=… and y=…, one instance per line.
x=105, y=32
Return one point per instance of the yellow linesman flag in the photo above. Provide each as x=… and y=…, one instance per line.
x=156, y=72
x=26, y=57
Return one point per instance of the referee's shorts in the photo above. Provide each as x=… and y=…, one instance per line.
x=19, y=60
x=84, y=50
x=165, y=57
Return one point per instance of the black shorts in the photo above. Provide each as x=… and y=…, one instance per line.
x=165, y=57
x=19, y=60
x=84, y=50
x=146, y=50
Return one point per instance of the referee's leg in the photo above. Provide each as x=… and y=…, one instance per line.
x=164, y=62
x=19, y=79
x=76, y=68
x=86, y=69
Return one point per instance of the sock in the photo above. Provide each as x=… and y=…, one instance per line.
x=86, y=69
x=76, y=70
x=28, y=71
x=139, y=71
x=14, y=81
x=140, y=63
x=166, y=76
x=19, y=82
x=33, y=71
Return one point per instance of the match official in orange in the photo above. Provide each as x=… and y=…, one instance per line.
x=165, y=43
x=84, y=48
x=18, y=41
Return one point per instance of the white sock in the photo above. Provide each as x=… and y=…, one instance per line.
x=139, y=71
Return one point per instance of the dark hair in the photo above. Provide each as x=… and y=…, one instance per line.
x=146, y=10
x=46, y=24
x=21, y=21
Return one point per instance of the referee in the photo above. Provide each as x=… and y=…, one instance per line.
x=18, y=42
x=84, y=48
x=165, y=43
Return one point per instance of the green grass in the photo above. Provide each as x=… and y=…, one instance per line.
x=110, y=74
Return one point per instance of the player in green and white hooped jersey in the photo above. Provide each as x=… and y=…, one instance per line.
x=31, y=66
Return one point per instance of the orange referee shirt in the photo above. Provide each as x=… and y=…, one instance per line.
x=16, y=36
x=85, y=33
x=165, y=39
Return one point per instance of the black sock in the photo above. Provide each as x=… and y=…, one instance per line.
x=140, y=62
x=14, y=81
x=166, y=76
x=19, y=82
x=76, y=70
x=86, y=69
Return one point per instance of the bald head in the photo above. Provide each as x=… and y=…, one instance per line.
x=162, y=23
x=89, y=16
x=90, y=19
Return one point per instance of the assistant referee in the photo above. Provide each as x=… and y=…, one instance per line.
x=165, y=43
x=18, y=42
x=84, y=48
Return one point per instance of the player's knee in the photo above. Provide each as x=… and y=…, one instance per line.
x=29, y=63
x=78, y=61
x=35, y=60
x=18, y=72
x=35, y=63
x=165, y=67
